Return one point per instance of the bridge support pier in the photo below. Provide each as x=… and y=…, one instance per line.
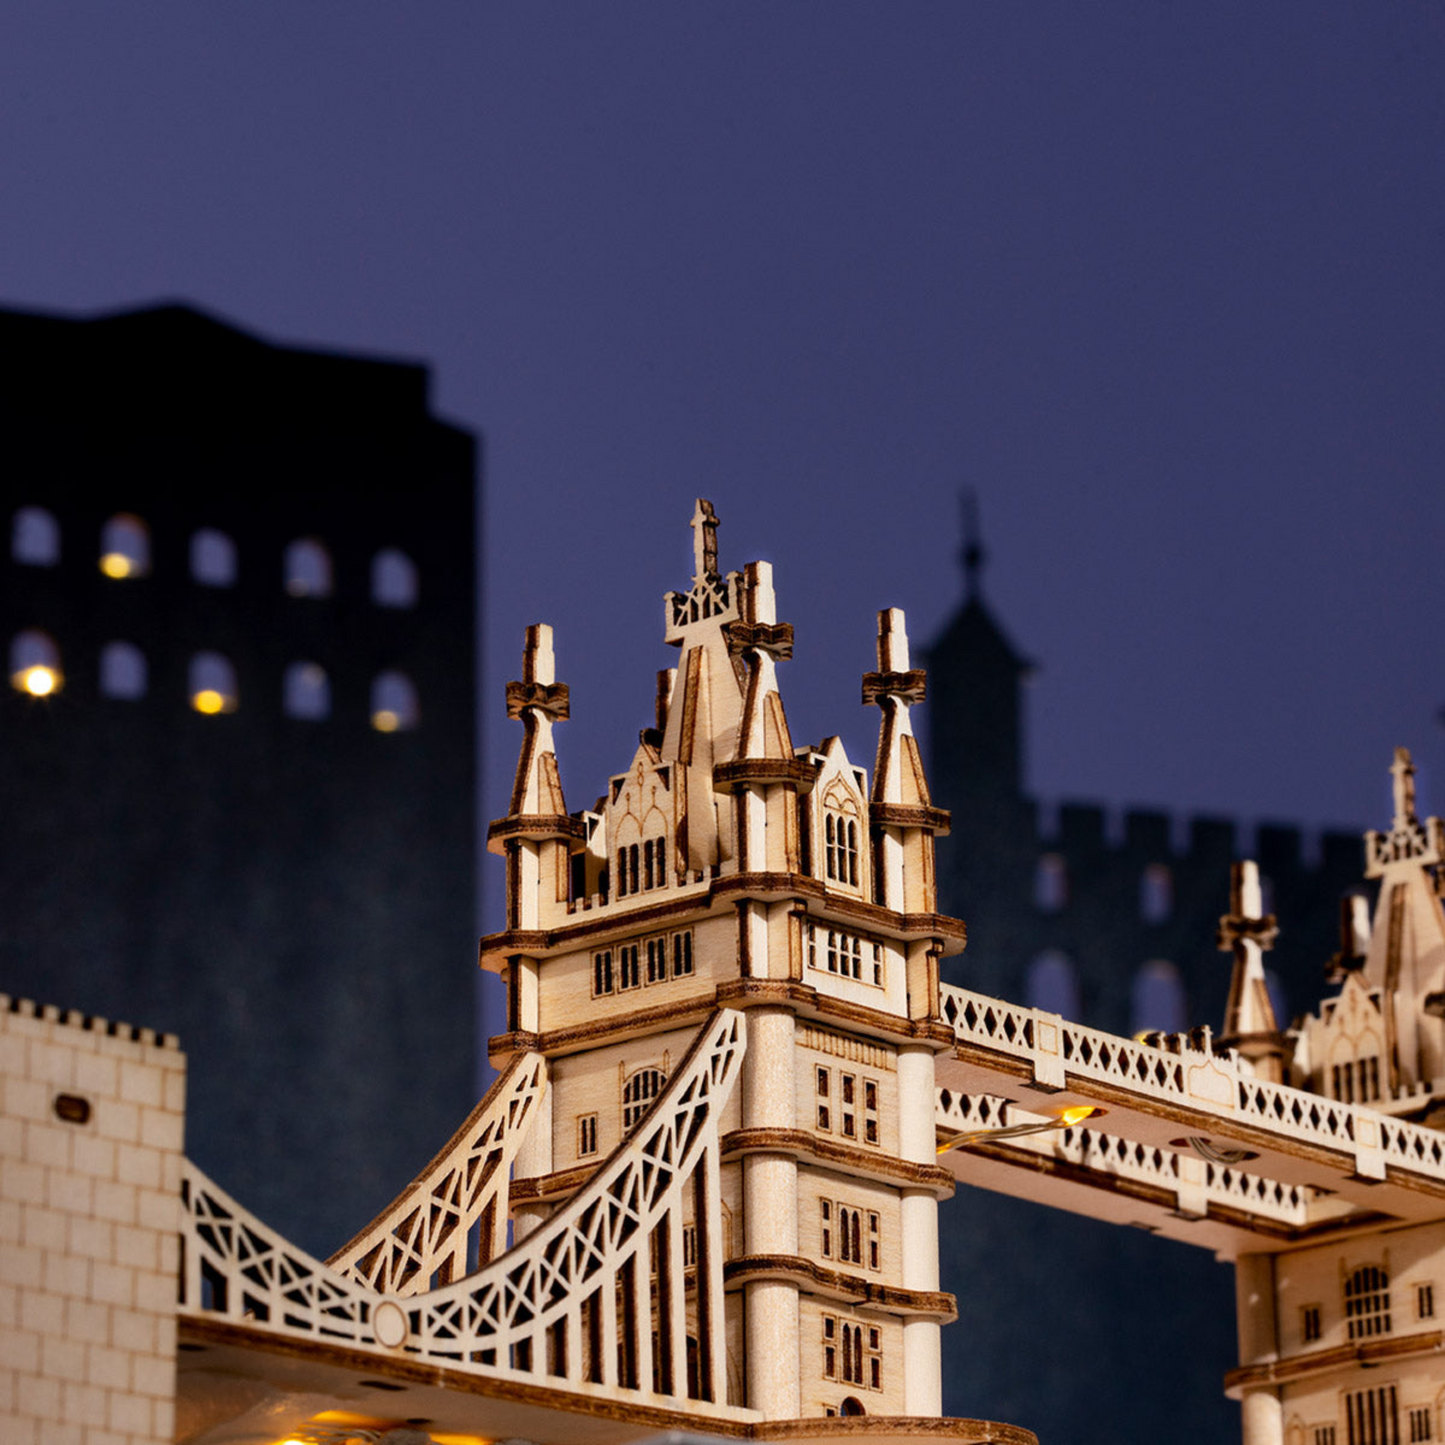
x=1262, y=1410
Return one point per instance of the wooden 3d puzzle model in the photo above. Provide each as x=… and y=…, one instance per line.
x=703, y=1195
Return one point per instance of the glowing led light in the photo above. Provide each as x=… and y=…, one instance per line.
x=385, y=721
x=38, y=681
x=1065, y=1119
x=208, y=700
x=117, y=564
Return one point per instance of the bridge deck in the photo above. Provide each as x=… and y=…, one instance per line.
x=1312, y=1166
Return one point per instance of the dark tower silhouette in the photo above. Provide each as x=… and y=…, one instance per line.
x=239, y=791
x=1116, y=929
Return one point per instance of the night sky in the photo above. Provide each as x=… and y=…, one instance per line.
x=1162, y=283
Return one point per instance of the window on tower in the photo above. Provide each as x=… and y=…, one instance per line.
x=1367, y=1302
x=841, y=816
x=639, y=1089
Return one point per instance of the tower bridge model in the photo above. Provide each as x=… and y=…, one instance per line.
x=733, y=1094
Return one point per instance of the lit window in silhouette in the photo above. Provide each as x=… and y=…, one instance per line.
x=35, y=537
x=1052, y=984
x=306, y=692
x=35, y=663
x=122, y=671
x=393, y=579
x=393, y=703
x=1051, y=883
x=308, y=568
x=1156, y=893
x=213, y=684
x=213, y=558
x=1157, y=999
x=125, y=547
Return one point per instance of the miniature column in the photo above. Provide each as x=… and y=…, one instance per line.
x=922, y=1338
x=770, y=1215
x=903, y=820
x=1261, y=1408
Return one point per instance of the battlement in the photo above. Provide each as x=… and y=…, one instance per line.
x=90, y=1191
x=1159, y=835
x=74, y=1019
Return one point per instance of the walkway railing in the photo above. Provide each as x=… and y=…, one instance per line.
x=1187, y=1073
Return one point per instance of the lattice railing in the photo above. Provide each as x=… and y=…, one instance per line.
x=598, y=1299
x=1194, y=1077
x=1114, y=1157
x=453, y=1216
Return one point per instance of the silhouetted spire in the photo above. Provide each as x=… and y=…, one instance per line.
x=973, y=554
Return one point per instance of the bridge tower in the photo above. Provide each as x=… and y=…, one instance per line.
x=727, y=869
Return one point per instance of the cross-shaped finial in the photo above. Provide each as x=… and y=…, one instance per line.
x=1402, y=770
x=704, y=540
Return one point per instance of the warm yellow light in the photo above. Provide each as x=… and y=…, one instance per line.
x=1070, y=1117
x=116, y=564
x=385, y=721
x=208, y=700
x=38, y=681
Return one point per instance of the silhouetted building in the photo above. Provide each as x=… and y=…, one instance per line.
x=237, y=752
x=1117, y=930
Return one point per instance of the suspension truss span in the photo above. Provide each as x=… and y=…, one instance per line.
x=453, y=1216
x=569, y=1307
x=1188, y=1136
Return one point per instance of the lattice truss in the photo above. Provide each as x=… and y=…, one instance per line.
x=599, y=1297
x=453, y=1217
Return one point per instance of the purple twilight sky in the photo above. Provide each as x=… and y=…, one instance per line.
x=1163, y=283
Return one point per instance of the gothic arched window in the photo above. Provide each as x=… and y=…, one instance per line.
x=638, y=1091
x=840, y=837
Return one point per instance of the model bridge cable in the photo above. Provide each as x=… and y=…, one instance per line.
x=570, y=1304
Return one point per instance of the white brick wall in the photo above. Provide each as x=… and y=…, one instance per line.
x=89, y=1217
